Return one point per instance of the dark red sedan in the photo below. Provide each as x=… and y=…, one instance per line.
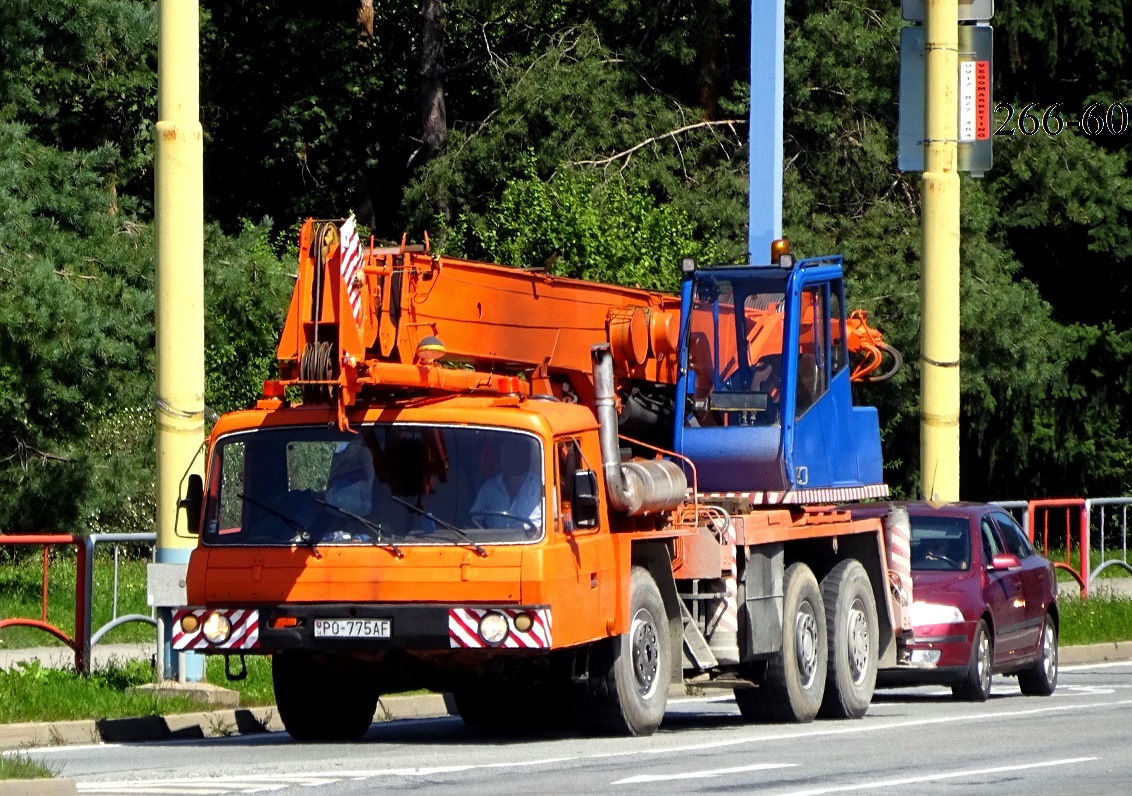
x=984, y=602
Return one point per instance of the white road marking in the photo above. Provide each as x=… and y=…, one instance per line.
x=1083, y=667
x=863, y=727
x=52, y=749
x=709, y=774
x=975, y=772
x=255, y=783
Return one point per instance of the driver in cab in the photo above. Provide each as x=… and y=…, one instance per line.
x=513, y=497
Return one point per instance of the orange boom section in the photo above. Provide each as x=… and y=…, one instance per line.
x=368, y=318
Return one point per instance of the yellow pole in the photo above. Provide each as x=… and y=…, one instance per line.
x=939, y=352
x=179, y=211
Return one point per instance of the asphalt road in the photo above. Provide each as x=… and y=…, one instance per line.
x=917, y=740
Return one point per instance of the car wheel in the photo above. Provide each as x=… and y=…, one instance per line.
x=976, y=686
x=1041, y=678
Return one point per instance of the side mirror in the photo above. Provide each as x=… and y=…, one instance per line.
x=585, y=503
x=193, y=502
x=1004, y=561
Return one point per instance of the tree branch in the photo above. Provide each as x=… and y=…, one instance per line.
x=670, y=134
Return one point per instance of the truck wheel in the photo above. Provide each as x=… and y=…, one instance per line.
x=1041, y=678
x=977, y=684
x=795, y=675
x=853, y=634
x=627, y=689
x=320, y=705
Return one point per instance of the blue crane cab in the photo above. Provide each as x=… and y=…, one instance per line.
x=763, y=394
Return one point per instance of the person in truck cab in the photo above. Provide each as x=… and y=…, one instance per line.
x=349, y=489
x=512, y=498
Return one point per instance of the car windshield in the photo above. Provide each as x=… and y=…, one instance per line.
x=941, y=543
x=383, y=484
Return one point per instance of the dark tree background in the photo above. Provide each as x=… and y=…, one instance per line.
x=606, y=137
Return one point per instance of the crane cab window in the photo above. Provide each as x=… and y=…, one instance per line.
x=812, y=378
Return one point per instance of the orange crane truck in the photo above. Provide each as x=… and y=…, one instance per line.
x=550, y=498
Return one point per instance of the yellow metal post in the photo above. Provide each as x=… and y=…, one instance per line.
x=179, y=211
x=939, y=413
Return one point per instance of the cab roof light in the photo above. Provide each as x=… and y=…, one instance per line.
x=688, y=265
x=780, y=253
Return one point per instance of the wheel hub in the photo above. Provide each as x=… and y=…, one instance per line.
x=806, y=644
x=858, y=643
x=646, y=652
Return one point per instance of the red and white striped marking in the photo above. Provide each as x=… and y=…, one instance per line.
x=244, y=636
x=463, y=628
x=351, y=264
x=800, y=496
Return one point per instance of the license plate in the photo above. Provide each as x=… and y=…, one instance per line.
x=352, y=628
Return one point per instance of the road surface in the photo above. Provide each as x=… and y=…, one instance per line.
x=916, y=740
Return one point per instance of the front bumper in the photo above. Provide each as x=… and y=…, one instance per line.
x=411, y=627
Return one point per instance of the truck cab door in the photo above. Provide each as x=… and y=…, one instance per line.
x=826, y=439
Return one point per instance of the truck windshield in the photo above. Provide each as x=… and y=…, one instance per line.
x=385, y=485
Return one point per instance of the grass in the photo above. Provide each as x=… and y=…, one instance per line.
x=255, y=690
x=20, y=766
x=1095, y=620
x=29, y=692
x=21, y=589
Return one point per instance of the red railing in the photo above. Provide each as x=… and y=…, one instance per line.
x=81, y=642
x=1040, y=511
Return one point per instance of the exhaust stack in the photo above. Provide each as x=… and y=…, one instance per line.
x=639, y=487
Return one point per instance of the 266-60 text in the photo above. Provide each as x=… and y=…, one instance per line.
x=1097, y=119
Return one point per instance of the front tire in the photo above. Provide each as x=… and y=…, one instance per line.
x=976, y=686
x=853, y=634
x=627, y=689
x=796, y=674
x=317, y=704
x=1041, y=679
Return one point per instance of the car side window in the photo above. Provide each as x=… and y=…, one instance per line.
x=1015, y=538
x=991, y=544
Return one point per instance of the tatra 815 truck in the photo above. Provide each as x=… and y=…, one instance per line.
x=549, y=498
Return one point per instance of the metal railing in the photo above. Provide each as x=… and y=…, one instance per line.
x=1103, y=530
x=85, y=637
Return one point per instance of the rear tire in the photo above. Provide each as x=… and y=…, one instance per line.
x=853, y=635
x=317, y=704
x=627, y=689
x=796, y=674
x=977, y=685
x=1041, y=678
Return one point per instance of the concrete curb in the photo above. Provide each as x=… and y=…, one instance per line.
x=1096, y=653
x=249, y=721
x=179, y=726
x=38, y=787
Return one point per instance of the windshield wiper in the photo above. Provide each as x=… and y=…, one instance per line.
x=373, y=526
x=428, y=515
x=303, y=536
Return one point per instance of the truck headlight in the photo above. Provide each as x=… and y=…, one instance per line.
x=493, y=628
x=934, y=614
x=217, y=628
